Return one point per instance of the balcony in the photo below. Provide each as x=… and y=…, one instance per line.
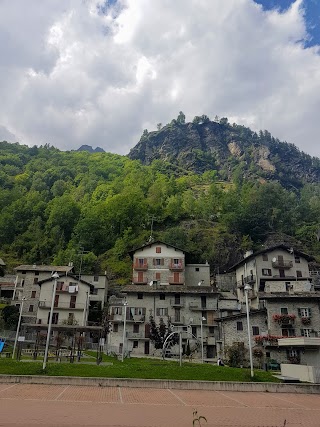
x=136, y=336
x=176, y=266
x=193, y=306
x=176, y=303
x=142, y=266
x=284, y=319
x=178, y=320
x=62, y=305
x=66, y=289
x=138, y=318
x=176, y=280
x=248, y=280
x=279, y=263
x=140, y=280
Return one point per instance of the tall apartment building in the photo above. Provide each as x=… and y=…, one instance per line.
x=165, y=286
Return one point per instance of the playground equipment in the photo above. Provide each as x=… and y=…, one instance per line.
x=2, y=343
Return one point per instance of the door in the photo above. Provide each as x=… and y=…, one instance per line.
x=73, y=300
x=281, y=272
x=146, y=347
x=177, y=299
x=140, y=276
x=176, y=278
x=211, y=351
x=147, y=330
x=280, y=259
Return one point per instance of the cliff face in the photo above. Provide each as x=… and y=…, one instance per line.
x=231, y=150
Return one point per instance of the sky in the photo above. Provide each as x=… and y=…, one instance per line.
x=99, y=72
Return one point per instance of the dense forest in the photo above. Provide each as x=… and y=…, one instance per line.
x=59, y=207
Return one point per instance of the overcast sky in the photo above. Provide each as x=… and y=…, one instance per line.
x=76, y=72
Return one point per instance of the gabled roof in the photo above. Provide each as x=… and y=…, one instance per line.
x=269, y=249
x=47, y=268
x=156, y=242
x=50, y=279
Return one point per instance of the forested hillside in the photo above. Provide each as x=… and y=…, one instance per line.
x=56, y=205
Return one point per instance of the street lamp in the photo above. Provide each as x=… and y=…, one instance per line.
x=18, y=327
x=124, y=328
x=201, y=327
x=55, y=276
x=247, y=289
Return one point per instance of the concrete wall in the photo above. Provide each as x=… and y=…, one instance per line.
x=305, y=373
x=195, y=273
x=164, y=384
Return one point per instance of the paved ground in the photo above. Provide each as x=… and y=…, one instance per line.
x=54, y=405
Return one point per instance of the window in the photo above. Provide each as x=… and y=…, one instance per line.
x=265, y=257
x=116, y=310
x=211, y=329
x=30, y=308
x=255, y=330
x=115, y=327
x=194, y=331
x=239, y=326
x=73, y=300
x=23, y=272
x=158, y=261
x=299, y=273
x=162, y=312
x=33, y=294
x=176, y=261
x=197, y=269
x=36, y=273
x=158, y=250
x=284, y=310
x=22, y=283
x=135, y=344
x=293, y=353
x=158, y=276
x=162, y=297
x=140, y=295
x=36, y=279
x=70, y=318
x=96, y=278
x=138, y=311
x=306, y=332
x=304, y=312
x=94, y=291
x=266, y=272
x=289, y=332
x=297, y=259
x=135, y=329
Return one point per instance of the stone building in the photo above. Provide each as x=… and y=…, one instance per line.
x=165, y=286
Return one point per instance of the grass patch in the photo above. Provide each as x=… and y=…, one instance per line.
x=136, y=368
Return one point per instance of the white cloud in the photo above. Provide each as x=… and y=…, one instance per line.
x=71, y=75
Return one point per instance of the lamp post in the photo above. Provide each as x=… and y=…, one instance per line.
x=55, y=276
x=201, y=328
x=18, y=327
x=247, y=289
x=124, y=328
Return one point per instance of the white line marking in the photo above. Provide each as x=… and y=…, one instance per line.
x=289, y=401
x=62, y=392
x=177, y=397
x=235, y=400
x=7, y=388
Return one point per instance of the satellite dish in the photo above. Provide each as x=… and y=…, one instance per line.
x=274, y=259
x=151, y=283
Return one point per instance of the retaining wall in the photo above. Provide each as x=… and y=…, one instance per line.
x=164, y=384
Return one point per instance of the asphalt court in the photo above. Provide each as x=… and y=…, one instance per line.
x=60, y=405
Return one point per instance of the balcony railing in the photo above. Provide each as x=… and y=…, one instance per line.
x=176, y=303
x=176, y=266
x=248, y=280
x=202, y=307
x=136, y=335
x=140, y=265
x=278, y=263
x=178, y=320
x=62, y=305
x=137, y=318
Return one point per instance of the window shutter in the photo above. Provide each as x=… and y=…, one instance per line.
x=158, y=311
x=166, y=311
x=299, y=312
x=309, y=312
x=144, y=311
x=154, y=261
x=162, y=261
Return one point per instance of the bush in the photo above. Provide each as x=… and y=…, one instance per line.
x=236, y=354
